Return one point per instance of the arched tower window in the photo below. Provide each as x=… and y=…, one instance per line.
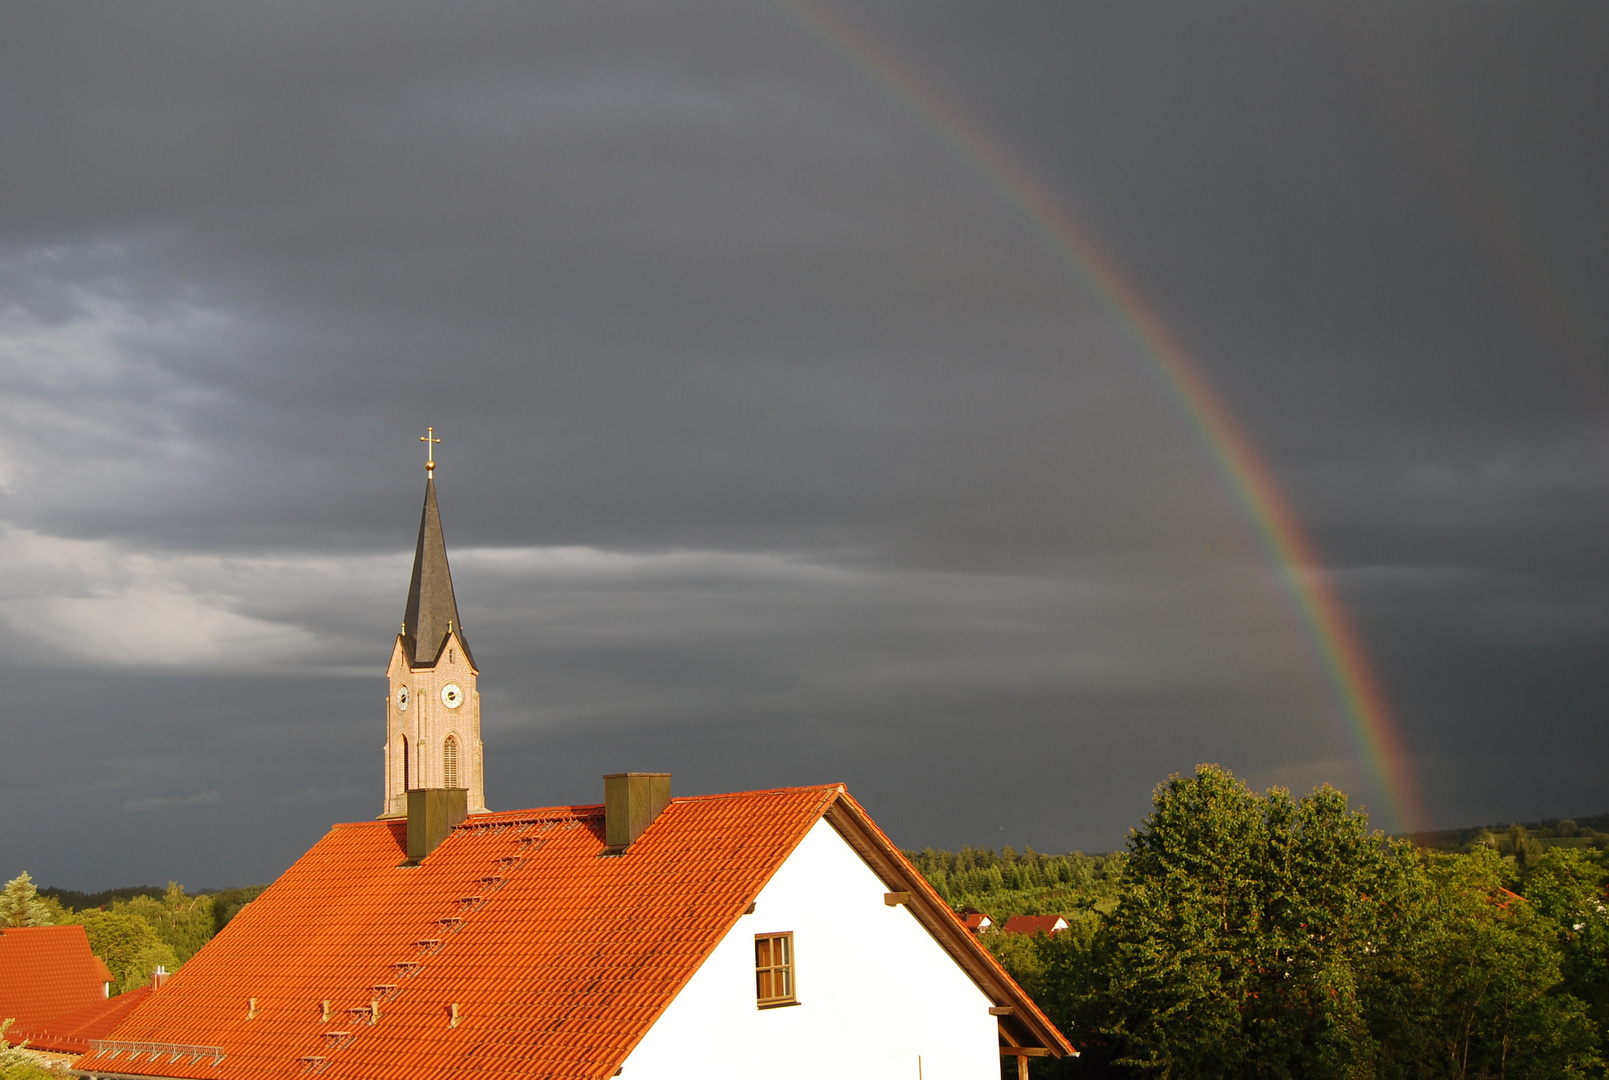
x=405, y=785
x=449, y=762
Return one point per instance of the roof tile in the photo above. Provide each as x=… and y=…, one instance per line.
x=46, y=972
x=541, y=988
x=71, y=1034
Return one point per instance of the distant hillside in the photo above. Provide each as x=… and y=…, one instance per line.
x=1591, y=831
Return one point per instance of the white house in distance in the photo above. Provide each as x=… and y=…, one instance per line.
x=766, y=933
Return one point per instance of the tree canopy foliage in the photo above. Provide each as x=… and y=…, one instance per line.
x=1263, y=935
x=21, y=904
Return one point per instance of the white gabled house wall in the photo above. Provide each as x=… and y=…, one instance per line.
x=875, y=990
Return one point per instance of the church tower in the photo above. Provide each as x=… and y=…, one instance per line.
x=433, y=710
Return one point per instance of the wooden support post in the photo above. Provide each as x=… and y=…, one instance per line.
x=1022, y=1067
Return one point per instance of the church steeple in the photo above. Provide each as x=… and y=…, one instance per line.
x=432, y=611
x=433, y=709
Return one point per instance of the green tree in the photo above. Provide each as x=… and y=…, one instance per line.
x=1567, y=886
x=1478, y=990
x=184, y=922
x=1247, y=926
x=128, y=944
x=1523, y=846
x=20, y=904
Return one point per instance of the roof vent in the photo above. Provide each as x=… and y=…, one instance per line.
x=432, y=813
x=631, y=802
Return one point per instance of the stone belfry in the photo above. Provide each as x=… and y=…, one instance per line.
x=433, y=710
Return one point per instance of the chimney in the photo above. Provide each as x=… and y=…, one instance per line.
x=158, y=977
x=432, y=812
x=631, y=802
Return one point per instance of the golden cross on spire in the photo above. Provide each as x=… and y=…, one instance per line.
x=430, y=442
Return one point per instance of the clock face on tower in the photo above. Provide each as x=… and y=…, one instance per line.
x=402, y=699
x=451, y=696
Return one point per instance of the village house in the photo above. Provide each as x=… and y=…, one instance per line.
x=1034, y=924
x=775, y=933
x=48, y=971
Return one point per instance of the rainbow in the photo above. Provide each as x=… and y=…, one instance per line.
x=1299, y=568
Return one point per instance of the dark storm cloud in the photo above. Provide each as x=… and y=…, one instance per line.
x=671, y=241
x=781, y=446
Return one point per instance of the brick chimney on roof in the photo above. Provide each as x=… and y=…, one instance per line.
x=432, y=813
x=631, y=802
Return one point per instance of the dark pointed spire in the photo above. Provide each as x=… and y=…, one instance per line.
x=432, y=610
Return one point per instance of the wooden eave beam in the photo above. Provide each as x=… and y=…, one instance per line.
x=844, y=815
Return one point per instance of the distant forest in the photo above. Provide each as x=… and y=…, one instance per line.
x=1591, y=831
x=1004, y=883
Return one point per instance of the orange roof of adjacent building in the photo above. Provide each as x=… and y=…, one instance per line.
x=71, y=1034
x=503, y=921
x=1034, y=924
x=46, y=972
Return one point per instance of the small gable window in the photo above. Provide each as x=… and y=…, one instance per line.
x=773, y=970
x=449, y=762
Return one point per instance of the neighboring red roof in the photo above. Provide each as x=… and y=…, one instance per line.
x=1504, y=898
x=47, y=971
x=1034, y=924
x=70, y=1034
x=500, y=920
x=977, y=921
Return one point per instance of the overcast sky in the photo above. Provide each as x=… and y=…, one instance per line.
x=780, y=444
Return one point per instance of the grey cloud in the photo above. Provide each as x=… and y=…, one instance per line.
x=781, y=445
x=172, y=802
x=322, y=796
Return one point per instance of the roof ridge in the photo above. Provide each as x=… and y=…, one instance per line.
x=761, y=791
x=590, y=810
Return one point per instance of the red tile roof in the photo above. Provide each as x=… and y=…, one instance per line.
x=47, y=971
x=71, y=1034
x=1034, y=924
x=500, y=920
